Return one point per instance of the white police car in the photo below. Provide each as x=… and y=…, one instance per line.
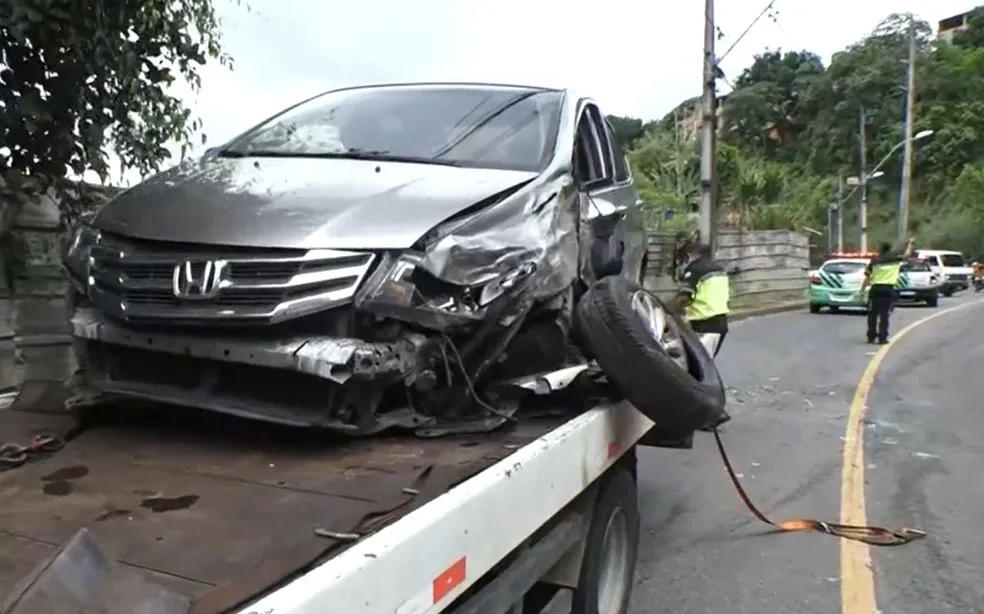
x=918, y=283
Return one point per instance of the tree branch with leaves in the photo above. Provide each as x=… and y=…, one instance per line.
x=80, y=79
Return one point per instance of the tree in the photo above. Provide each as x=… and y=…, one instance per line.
x=791, y=125
x=774, y=102
x=950, y=102
x=81, y=79
x=627, y=130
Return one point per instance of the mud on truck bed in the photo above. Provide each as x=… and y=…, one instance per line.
x=215, y=509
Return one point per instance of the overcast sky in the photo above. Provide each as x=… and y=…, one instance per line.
x=635, y=57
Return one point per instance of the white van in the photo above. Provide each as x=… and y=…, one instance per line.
x=951, y=267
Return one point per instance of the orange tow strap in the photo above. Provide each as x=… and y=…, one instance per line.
x=876, y=536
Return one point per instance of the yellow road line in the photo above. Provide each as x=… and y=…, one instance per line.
x=857, y=578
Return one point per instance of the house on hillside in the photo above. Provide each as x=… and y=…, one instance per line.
x=690, y=123
x=949, y=27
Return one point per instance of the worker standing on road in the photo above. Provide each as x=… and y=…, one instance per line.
x=705, y=293
x=880, y=278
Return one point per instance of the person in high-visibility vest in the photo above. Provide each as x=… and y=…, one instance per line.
x=880, y=279
x=705, y=293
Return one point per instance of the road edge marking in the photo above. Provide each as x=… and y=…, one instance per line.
x=857, y=576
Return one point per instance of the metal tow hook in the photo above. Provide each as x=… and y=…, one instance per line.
x=13, y=455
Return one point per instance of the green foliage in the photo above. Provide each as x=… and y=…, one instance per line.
x=791, y=125
x=627, y=130
x=80, y=79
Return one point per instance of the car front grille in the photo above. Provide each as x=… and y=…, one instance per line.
x=957, y=277
x=138, y=281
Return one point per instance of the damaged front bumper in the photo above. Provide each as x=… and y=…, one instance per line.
x=287, y=380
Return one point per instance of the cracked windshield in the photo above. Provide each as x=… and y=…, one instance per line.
x=491, y=306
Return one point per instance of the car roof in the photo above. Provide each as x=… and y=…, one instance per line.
x=840, y=260
x=938, y=252
x=464, y=85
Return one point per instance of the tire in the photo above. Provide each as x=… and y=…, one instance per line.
x=947, y=292
x=609, y=329
x=617, y=502
x=814, y=308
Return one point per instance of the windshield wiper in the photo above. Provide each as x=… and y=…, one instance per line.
x=376, y=155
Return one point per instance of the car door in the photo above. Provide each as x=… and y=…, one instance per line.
x=612, y=232
x=634, y=221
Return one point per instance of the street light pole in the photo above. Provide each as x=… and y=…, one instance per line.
x=862, y=184
x=863, y=213
x=840, y=211
x=910, y=99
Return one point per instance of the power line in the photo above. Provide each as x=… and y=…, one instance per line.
x=768, y=10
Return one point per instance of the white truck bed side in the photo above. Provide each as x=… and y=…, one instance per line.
x=421, y=563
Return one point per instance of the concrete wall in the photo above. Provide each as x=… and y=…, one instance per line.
x=769, y=266
x=34, y=340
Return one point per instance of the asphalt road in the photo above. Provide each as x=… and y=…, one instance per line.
x=792, y=379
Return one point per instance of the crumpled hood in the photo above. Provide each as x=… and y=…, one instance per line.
x=300, y=202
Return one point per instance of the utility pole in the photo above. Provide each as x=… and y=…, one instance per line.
x=840, y=211
x=910, y=99
x=831, y=212
x=708, y=175
x=863, y=213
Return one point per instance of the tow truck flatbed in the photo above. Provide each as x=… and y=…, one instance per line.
x=225, y=512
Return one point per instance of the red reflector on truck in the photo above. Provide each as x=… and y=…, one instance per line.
x=449, y=579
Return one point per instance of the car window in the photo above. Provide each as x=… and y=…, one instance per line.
x=844, y=268
x=932, y=261
x=588, y=163
x=477, y=127
x=915, y=267
x=953, y=260
x=600, y=134
x=618, y=156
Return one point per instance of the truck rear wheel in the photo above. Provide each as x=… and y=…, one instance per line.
x=608, y=567
x=651, y=356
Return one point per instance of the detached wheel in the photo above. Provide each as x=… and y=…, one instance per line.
x=651, y=355
x=608, y=567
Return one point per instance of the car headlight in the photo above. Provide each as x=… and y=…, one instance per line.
x=401, y=290
x=933, y=280
x=77, y=256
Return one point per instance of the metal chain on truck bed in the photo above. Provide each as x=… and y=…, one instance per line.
x=13, y=455
x=876, y=536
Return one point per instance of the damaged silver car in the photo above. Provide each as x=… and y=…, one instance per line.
x=378, y=257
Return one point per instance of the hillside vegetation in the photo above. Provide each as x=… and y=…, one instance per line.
x=791, y=124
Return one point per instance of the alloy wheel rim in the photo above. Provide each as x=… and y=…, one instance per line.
x=660, y=326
